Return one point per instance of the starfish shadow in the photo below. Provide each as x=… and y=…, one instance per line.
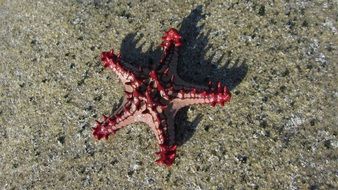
x=192, y=67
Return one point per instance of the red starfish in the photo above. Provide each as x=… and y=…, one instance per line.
x=153, y=96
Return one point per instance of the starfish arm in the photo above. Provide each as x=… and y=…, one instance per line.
x=124, y=116
x=153, y=121
x=126, y=75
x=168, y=71
x=164, y=130
x=170, y=44
x=185, y=97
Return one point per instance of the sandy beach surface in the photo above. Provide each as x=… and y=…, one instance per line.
x=279, y=59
